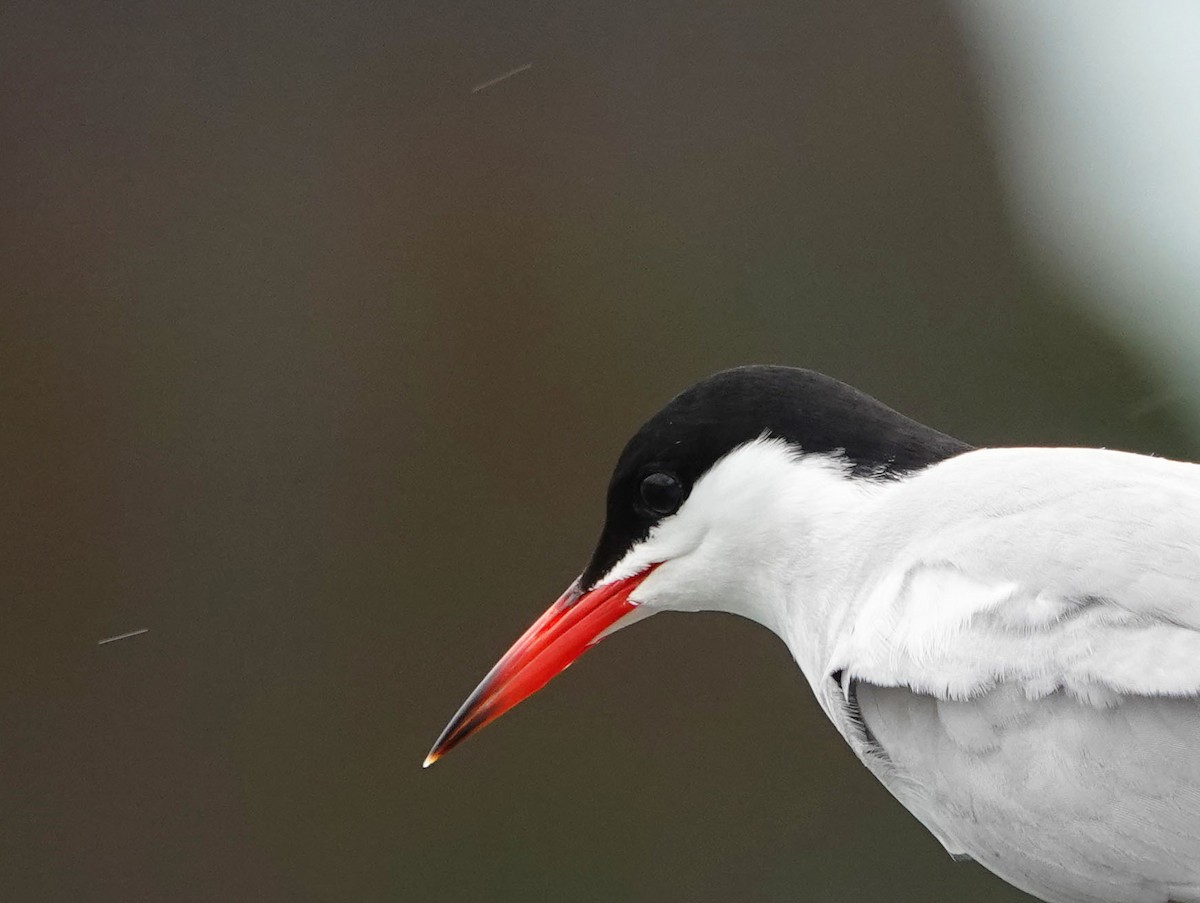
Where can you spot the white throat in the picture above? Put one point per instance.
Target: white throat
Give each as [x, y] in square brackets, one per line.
[768, 534]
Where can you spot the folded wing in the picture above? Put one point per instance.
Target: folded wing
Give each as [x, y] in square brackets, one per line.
[1050, 569]
[1026, 677]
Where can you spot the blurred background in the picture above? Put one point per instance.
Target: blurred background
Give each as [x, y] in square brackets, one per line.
[316, 350]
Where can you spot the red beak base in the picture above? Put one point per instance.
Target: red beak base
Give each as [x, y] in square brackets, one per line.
[573, 623]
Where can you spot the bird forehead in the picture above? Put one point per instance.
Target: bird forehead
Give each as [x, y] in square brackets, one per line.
[813, 413]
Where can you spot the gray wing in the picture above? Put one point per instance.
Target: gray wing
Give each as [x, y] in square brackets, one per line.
[1028, 671]
[1070, 569]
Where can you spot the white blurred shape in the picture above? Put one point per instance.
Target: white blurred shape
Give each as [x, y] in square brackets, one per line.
[1096, 107]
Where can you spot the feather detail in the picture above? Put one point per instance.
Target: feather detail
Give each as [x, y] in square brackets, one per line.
[1028, 667]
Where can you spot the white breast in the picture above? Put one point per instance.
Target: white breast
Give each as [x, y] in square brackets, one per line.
[1066, 800]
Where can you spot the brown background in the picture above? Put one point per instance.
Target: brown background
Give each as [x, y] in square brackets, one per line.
[314, 363]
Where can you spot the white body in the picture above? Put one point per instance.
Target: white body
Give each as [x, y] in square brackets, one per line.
[1010, 640]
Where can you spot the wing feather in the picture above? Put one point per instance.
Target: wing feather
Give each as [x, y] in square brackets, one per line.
[1049, 568]
[1027, 671]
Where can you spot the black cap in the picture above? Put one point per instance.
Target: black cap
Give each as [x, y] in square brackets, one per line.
[814, 413]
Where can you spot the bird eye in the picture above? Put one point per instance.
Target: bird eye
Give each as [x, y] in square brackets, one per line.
[661, 493]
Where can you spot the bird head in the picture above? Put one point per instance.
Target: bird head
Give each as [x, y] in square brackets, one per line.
[712, 504]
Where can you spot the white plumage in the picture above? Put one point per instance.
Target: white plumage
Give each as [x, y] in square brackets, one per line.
[1009, 639]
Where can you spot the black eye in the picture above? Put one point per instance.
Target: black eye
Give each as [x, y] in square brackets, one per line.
[661, 493]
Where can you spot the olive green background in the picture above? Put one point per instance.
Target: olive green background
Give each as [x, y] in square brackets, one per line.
[314, 363]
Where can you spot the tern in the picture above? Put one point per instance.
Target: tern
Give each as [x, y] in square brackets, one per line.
[1008, 638]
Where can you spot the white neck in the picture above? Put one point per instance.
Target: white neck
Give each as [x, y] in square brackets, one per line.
[769, 535]
[818, 523]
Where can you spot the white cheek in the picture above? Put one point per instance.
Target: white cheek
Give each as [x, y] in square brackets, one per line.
[671, 540]
[678, 585]
[725, 509]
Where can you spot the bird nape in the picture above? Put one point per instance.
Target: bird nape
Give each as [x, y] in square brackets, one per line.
[1008, 638]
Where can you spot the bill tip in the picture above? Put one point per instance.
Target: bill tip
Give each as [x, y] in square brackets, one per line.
[429, 760]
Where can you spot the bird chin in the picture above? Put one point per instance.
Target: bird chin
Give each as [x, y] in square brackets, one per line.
[638, 614]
